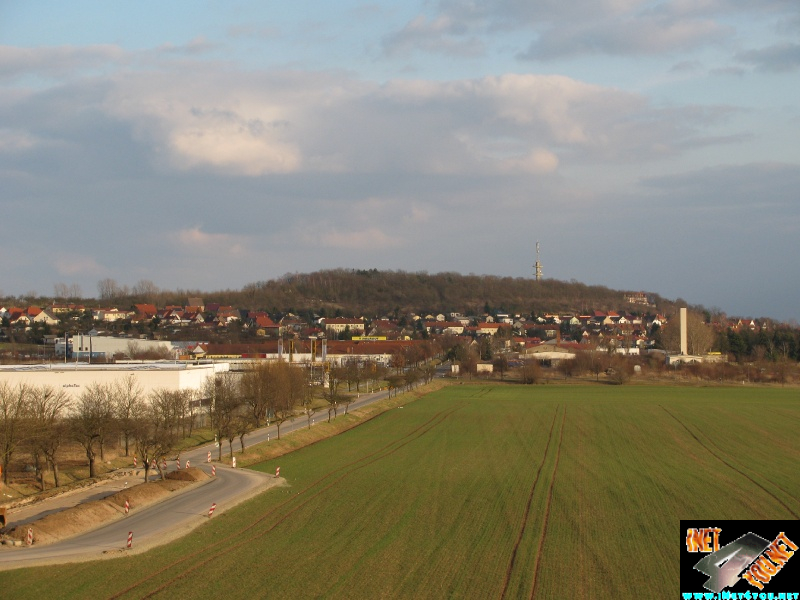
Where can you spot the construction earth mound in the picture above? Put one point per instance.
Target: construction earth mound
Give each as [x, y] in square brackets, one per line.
[91, 515]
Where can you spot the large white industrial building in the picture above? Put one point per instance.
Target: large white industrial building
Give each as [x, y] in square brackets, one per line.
[104, 348]
[73, 378]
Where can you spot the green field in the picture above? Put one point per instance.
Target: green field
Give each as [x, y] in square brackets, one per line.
[483, 492]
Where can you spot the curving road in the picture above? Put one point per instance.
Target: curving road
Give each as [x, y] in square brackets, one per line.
[167, 520]
[151, 526]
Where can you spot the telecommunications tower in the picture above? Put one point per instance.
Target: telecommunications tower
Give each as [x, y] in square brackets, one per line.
[538, 265]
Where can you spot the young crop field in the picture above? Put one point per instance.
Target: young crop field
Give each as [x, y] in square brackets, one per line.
[482, 492]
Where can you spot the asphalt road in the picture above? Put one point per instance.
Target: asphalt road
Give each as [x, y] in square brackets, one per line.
[166, 520]
[151, 526]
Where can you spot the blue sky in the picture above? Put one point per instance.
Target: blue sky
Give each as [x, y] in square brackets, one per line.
[647, 145]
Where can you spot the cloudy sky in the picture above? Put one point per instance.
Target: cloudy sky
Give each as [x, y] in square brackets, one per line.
[647, 145]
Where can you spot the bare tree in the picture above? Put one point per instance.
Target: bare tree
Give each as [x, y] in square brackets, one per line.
[394, 382]
[145, 290]
[258, 386]
[47, 406]
[156, 430]
[620, 370]
[411, 378]
[331, 391]
[13, 411]
[500, 365]
[226, 401]
[108, 289]
[429, 372]
[60, 291]
[242, 425]
[90, 421]
[144, 434]
[128, 399]
[290, 387]
[308, 406]
[530, 372]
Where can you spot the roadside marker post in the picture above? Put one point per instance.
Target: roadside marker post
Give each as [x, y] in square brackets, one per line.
[187, 464]
[278, 472]
[127, 507]
[130, 540]
[135, 463]
[211, 510]
[213, 471]
[164, 464]
[30, 536]
[234, 462]
[208, 457]
[178, 463]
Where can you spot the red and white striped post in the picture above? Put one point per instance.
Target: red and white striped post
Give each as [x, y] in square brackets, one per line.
[134, 463]
[127, 507]
[213, 471]
[30, 536]
[278, 472]
[153, 464]
[208, 457]
[178, 462]
[211, 510]
[164, 463]
[187, 464]
[130, 540]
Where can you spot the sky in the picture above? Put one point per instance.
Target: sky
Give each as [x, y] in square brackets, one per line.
[646, 145]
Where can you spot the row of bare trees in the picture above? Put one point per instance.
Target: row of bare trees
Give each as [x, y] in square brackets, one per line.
[42, 421]
[266, 393]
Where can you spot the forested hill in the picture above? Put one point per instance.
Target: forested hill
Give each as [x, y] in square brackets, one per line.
[377, 293]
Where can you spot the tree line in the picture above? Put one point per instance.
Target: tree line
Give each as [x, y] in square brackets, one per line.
[43, 421]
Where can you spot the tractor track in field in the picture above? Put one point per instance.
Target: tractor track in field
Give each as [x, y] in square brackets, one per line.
[733, 467]
[547, 508]
[783, 414]
[364, 461]
[526, 514]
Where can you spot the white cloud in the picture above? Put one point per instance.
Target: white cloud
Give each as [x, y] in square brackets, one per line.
[194, 240]
[648, 34]
[538, 161]
[14, 140]
[232, 146]
[69, 263]
[583, 27]
[367, 240]
[441, 35]
[208, 118]
[782, 57]
[60, 62]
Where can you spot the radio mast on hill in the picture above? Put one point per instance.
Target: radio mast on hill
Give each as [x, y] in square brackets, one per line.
[538, 265]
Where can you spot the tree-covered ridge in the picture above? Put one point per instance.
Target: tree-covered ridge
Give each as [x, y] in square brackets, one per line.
[374, 292]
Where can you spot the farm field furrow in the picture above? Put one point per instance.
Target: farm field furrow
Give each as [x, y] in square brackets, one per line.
[481, 492]
[755, 478]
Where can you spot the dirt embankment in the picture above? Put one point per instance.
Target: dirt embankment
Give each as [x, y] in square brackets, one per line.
[90, 515]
